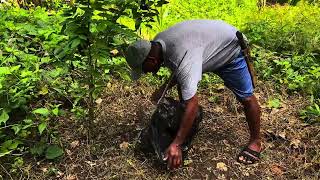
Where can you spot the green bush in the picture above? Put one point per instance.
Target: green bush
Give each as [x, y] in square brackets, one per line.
[28, 75]
[293, 31]
[29, 4]
[312, 113]
[53, 62]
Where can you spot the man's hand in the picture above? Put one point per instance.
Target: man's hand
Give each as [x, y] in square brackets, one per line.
[173, 156]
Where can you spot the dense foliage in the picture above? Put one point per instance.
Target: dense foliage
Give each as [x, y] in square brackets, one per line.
[30, 76]
[54, 62]
[57, 58]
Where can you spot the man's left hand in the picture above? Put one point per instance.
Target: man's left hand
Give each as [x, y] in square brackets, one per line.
[173, 156]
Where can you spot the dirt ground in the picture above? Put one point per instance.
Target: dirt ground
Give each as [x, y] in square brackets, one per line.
[291, 147]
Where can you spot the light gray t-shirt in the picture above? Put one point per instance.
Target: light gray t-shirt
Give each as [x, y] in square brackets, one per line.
[209, 45]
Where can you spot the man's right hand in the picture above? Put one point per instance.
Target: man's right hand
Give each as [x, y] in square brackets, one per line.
[173, 156]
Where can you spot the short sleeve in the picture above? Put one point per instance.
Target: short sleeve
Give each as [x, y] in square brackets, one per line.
[189, 74]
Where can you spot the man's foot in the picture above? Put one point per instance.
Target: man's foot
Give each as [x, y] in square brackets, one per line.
[248, 156]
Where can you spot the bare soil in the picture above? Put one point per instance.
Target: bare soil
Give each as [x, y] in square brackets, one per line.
[291, 148]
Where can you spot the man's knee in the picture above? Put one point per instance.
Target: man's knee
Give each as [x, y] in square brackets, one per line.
[250, 101]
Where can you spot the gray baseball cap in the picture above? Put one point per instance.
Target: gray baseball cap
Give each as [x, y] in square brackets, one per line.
[135, 56]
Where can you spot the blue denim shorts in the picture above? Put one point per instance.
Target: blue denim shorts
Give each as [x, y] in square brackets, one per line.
[237, 78]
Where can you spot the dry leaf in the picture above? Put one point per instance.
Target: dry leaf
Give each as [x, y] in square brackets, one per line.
[98, 101]
[127, 88]
[74, 144]
[129, 161]
[283, 134]
[221, 176]
[60, 174]
[90, 163]
[71, 177]
[277, 170]
[222, 166]
[218, 109]
[295, 143]
[44, 169]
[221, 87]
[114, 52]
[124, 145]
[187, 162]
[225, 142]
[68, 152]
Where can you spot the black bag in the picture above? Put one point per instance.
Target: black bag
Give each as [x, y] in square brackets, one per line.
[164, 126]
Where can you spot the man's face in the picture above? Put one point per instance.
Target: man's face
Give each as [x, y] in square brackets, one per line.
[151, 64]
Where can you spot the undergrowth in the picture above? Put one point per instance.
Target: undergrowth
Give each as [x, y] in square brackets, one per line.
[51, 58]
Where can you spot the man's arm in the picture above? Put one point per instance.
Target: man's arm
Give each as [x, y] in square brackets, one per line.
[191, 109]
[174, 154]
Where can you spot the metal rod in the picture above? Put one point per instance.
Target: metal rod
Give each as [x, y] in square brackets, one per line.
[171, 78]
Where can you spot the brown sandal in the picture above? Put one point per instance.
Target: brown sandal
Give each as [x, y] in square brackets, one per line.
[249, 156]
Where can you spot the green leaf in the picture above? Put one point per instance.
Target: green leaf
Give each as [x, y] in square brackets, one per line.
[42, 111]
[14, 144]
[274, 103]
[4, 117]
[10, 145]
[28, 121]
[4, 70]
[16, 128]
[317, 107]
[53, 152]
[213, 99]
[45, 60]
[75, 43]
[27, 126]
[5, 153]
[42, 127]
[26, 73]
[55, 111]
[14, 68]
[44, 90]
[55, 72]
[38, 149]
[5, 145]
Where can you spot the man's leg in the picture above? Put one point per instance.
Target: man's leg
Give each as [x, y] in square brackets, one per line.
[237, 78]
[252, 112]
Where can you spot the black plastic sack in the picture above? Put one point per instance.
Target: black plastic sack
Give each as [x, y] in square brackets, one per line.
[164, 126]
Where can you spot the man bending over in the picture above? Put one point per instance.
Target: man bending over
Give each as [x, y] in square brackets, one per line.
[190, 49]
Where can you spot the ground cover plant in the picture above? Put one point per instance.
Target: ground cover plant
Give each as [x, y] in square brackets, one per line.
[57, 58]
[29, 74]
[63, 75]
